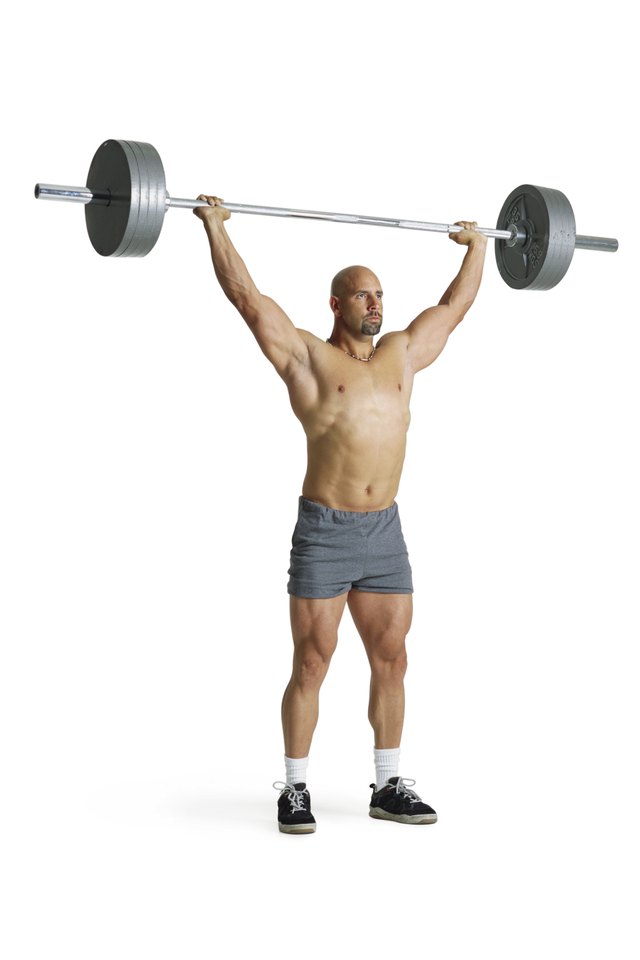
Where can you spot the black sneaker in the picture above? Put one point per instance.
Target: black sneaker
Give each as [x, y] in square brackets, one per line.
[294, 808]
[396, 802]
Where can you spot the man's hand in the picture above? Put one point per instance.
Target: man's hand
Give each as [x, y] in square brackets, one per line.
[213, 212]
[469, 234]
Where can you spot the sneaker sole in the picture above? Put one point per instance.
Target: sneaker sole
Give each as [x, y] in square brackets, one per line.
[297, 827]
[379, 814]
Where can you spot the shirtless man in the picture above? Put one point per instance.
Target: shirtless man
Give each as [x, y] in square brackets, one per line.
[352, 399]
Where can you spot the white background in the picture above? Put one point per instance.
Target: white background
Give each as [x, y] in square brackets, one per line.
[151, 469]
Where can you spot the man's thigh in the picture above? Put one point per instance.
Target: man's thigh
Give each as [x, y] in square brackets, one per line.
[314, 622]
[383, 620]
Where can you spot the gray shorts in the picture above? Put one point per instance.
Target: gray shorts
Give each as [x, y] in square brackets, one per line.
[334, 551]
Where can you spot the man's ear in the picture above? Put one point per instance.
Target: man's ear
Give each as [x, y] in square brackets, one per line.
[334, 303]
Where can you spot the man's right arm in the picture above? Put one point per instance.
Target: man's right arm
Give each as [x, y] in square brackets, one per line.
[278, 338]
[429, 332]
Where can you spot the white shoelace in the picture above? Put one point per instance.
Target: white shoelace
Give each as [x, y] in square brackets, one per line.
[297, 798]
[404, 790]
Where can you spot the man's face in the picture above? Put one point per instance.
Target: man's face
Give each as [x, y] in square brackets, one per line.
[360, 306]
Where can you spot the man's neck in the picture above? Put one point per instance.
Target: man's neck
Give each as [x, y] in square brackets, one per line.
[360, 348]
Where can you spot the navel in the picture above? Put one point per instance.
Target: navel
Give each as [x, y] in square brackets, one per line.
[341, 388]
[399, 386]
[367, 490]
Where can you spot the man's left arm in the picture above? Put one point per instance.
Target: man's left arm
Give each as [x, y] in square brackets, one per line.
[429, 332]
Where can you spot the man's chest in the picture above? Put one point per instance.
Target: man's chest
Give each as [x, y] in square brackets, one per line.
[353, 391]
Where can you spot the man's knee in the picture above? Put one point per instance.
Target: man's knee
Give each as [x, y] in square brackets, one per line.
[313, 650]
[388, 657]
[310, 667]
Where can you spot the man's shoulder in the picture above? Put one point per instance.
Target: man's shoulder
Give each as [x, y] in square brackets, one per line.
[310, 338]
[394, 340]
[319, 350]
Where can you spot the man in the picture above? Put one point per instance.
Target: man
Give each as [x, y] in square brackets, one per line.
[352, 399]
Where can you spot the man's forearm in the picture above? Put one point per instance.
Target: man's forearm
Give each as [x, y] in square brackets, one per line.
[230, 268]
[464, 287]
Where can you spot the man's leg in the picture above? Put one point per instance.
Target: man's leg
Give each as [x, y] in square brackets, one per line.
[383, 621]
[314, 625]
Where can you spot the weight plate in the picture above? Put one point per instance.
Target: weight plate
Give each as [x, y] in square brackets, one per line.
[131, 175]
[152, 195]
[540, 259]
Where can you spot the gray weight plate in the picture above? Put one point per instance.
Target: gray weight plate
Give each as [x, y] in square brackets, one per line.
[132, 176]
[546, 218]
[152, 196]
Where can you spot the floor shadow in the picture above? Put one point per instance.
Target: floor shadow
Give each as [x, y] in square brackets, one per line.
[221, 809]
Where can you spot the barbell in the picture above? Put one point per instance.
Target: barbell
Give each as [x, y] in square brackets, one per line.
[126, 199]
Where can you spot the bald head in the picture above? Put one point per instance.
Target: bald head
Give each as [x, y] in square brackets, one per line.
[351, 279]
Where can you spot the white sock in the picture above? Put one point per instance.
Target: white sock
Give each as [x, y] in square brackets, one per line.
[296, 769]
[387, 763]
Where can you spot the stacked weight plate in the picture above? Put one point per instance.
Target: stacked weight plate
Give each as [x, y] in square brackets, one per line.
[547, 229]
[128, 180]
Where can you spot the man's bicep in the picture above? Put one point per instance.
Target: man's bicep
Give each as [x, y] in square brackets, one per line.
[428, 334]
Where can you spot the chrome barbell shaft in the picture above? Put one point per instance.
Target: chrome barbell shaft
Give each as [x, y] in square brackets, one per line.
[340, 217]
[49, 191]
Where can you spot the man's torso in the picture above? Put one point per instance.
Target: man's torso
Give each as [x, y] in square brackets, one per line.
[355, 415]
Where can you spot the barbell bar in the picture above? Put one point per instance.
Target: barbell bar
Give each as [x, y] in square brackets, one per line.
[125, 201]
